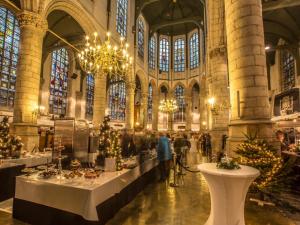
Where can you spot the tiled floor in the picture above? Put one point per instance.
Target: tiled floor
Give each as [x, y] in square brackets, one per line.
[160, 204]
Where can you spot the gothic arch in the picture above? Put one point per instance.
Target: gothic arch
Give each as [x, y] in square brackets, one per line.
[143, 79]
[179, 83]
[191, 85]
[76, 11]
[154, 87]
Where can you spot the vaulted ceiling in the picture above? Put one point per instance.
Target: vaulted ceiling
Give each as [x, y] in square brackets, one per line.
[281, 21]
[172, 17]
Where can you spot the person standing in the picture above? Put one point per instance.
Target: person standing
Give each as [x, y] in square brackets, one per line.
[164, 156]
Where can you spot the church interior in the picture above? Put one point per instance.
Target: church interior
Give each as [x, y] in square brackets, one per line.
[149, 112]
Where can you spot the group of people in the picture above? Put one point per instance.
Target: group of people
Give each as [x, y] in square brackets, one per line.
[168, 146]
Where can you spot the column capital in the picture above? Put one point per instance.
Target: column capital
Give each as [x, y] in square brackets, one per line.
[130, 86]
[27, 18]
[144, 95]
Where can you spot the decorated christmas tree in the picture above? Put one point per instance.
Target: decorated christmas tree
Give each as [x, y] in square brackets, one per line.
[109, 143]
[10, 145]
[262, 156]
[115, 150]
[104, 138]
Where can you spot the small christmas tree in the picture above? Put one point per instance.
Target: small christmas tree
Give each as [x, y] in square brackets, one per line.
[109, 143]
[104, 138]
[115, 150]
[262, 156]
[10, 145]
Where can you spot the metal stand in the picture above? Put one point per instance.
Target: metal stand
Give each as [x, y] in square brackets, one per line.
[177, 176]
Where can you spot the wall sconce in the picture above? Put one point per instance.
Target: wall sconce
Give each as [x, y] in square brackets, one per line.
[212, 105]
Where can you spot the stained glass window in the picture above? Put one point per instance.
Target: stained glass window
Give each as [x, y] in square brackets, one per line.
[164, 55]
[179, 57]
[152, 53]
[288, 70]
[140, 38]
[150, 102]
[194, 51]
[59, 82]
[90, 87]
[122, 6]
[9, 50]
[117, 99]
[179, 115]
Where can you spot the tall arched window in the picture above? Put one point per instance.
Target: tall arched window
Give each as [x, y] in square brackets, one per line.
[122, 6]
[140, 38]
[9, 50]
[179, 115]
[179, 57]
[150, 102]
[152, 52]
[117, 99]
[164, 55]
[90, 87]
[194, 51]
[288, 70]
[59, 82]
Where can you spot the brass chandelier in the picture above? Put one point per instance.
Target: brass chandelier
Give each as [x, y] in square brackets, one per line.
[168, 106]
[97, 58]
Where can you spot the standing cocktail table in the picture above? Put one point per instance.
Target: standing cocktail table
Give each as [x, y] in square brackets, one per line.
[228, 190]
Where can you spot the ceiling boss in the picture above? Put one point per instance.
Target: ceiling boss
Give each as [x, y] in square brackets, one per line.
[97, 58]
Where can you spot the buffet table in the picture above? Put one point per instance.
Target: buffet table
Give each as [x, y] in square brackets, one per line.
[8, 173]
[32, 160]
[60, 201]
[228, 190]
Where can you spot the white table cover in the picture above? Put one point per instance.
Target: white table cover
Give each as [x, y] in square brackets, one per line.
[80, 195]
[32, 160]
[228, 190]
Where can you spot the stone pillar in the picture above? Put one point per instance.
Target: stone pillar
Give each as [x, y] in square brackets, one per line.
[32, 29]
[99, 99]
[188, 113]
[217, 75]
[144, 112]
[155, 105]
[130, 88]
[79, 110]
[250, 108]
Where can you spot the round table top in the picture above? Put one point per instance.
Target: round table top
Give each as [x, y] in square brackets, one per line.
[244, 171]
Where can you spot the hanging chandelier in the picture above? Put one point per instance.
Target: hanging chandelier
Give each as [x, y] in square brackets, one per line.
[105, 58]
[168, 106]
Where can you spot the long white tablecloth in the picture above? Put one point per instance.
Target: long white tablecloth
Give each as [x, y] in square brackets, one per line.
[32, 160]
[80, 195]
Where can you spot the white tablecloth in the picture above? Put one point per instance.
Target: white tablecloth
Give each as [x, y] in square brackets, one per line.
[80, 195]
[228, 190]
[32, 160]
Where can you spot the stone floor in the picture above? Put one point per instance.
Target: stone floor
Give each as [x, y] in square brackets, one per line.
[189, 204]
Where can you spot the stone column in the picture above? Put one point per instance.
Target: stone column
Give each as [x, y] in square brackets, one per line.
[130, 88]
[188, 113]
[144, 112]
[155, 105]
[99, 99]
[250, 108]
[217, 75]
[32, 30]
